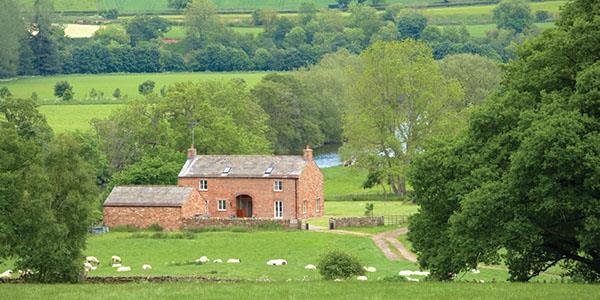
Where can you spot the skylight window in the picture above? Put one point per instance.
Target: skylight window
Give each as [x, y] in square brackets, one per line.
[226, 171]
[268, 171]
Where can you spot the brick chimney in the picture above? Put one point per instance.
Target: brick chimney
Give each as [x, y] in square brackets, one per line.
[191, 152]
[308, 153]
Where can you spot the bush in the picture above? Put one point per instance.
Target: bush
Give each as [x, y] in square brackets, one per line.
[111, 14]
[125, 228]
[337, 264]
[542, 16]
[154, 227]
[146, 87]
[61, 88]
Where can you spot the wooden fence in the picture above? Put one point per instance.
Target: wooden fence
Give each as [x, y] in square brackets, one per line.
[395, 219]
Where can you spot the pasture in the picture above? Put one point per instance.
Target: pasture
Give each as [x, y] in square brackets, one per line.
[75, 117]
[480, 30]
[127, 82]
[300, 290]
[479, 14]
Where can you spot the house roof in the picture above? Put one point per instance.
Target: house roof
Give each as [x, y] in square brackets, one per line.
[148, 196]
[278, 166]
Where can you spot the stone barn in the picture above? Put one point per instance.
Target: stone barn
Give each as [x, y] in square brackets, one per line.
[142, 206]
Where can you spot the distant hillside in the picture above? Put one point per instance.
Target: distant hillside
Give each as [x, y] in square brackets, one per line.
[133, 6]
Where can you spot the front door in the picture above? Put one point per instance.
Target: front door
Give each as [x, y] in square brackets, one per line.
[244, 206]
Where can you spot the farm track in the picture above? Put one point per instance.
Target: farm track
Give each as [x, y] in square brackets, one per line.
[380, 241]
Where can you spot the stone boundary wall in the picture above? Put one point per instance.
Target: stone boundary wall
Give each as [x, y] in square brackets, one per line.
[356, 221]
[197, 222]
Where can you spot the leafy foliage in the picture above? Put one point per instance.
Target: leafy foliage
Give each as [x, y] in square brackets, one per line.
[337, 264]
[513, 14]
[147, 87]
[522, 177]
[61, 87]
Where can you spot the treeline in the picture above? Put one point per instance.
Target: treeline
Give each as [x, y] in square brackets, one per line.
[33, 46]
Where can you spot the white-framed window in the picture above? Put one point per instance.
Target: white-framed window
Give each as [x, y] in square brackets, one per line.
[203, 185]
[318, 205]
[278, 186]
[278, 209]
[222, 205]
[304, 205]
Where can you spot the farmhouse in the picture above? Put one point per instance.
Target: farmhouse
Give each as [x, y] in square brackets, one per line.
[286, 187]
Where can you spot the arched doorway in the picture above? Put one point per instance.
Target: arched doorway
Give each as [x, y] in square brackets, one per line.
[243, 206]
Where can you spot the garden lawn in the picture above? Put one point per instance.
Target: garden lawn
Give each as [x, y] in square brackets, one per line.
[75, 117]
[107, 83]
[299, 290]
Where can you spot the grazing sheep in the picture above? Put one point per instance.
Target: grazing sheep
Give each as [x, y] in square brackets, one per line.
[370, 269]
[310, 267]
[25, 273]
[277, 262]
[412, 279]
[6, 275]
[202, 260]
[124, 269]
[362, 278]
[409, 273]
[218, 261]
[88, 266]
[146, 267]
[92, 260]
[115, 259]
[475, 271]
[234, 261]
[338, 280]
[116, 265]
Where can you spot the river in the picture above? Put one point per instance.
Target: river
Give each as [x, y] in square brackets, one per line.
[327, 156]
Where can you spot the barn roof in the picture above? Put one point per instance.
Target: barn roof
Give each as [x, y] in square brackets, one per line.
[278, 166]
[148, 196]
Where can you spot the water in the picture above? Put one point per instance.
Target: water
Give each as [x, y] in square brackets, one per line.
[327, 156]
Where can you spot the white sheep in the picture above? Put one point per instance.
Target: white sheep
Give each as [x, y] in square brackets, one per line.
[25, 273]
[146, 267]
[92, 260]
[362, 278]
[234, 261]
[338, 280]
[202, 260]
[124, 269]
[88, 266]
[475, 271]
[6, 275]
[412, 279]
[116, 265]
[277, 262]
[410, 273]
[218, 261]
[370, 269]
[115, 259]
[310, 267]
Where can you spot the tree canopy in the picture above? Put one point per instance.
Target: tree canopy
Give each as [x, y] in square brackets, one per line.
[520, 185]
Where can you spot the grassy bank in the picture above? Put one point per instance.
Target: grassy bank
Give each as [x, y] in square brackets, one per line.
[75, 117]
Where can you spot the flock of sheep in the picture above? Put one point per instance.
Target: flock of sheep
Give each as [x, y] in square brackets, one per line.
[91, 263]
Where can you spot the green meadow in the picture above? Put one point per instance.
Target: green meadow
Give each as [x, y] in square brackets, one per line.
[302, 290]
[480, 30]
[127, 82]
[75, 117]
[478, 14]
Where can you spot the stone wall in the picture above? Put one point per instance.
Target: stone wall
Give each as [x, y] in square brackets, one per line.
[357, 221]
[199, 222]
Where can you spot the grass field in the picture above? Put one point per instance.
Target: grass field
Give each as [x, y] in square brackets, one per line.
[75, 117]
[346, 181]
[178, 32]
[107, 83]
[357, 209]
[300, 290]
[480, 30]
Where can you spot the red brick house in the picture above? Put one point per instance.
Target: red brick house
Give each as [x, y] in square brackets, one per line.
[259, 186]
[288, 187]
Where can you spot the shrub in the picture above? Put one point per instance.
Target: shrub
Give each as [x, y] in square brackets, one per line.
[337, 264]
[4, 92]
[125, 228]
[154, 227]
[111, 14]
[146, 87]
[62, 89]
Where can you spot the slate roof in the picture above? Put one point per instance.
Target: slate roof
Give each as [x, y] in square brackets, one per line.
[282, 166]
[169, 196]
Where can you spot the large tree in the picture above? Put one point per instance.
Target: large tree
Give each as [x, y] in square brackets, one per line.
[520, 186]
[398, 99]
[513, 14]
[12, 32]
[44, 44]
